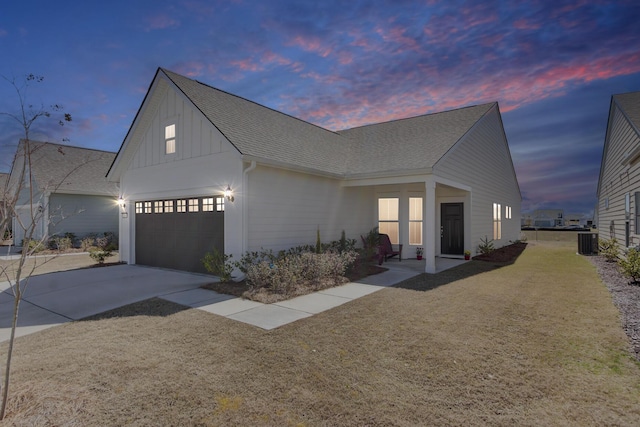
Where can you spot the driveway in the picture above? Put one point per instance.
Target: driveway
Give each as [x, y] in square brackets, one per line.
[56, 298]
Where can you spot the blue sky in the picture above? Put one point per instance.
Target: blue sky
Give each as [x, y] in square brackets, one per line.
[551, 65]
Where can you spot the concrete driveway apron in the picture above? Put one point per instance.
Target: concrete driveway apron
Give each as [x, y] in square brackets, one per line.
[55, 298]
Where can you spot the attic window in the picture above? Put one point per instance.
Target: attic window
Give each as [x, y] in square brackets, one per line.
[170, 139]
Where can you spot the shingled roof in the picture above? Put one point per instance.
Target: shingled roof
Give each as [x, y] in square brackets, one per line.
[630, 105]
[66, 169]
[409, 144]
[263, 133]
[257, 131]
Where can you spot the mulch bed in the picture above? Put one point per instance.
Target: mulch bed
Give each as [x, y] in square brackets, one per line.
[626, 297]
[507, 253]
[241, 289]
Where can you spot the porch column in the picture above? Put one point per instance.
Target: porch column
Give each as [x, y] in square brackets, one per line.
[430, 233]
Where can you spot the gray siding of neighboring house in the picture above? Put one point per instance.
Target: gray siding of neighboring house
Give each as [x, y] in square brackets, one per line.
[82, 214]
[619, 177]
[482, 161]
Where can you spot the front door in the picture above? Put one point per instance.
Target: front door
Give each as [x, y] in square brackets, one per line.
[451, 229]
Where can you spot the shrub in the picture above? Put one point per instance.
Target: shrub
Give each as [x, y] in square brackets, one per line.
[99, 255]
[371, 243]
[631, 265]
[305, 269]
[218, 263]
[60, 243]
[609, 249]
[33, 246]
[249, 259]
[104, 250]
[87, 243]
[486, 246]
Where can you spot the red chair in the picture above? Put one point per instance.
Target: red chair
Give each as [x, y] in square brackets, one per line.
[386, 251]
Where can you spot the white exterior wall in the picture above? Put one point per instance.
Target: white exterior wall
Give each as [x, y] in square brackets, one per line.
[82, 214]
[619, 176]
[481, 160]
[205, 163]
[287, 208]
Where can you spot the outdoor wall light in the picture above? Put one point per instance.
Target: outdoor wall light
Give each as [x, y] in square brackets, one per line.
[121, 203]
[228, 194]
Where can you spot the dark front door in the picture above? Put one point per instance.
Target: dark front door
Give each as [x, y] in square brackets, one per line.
[452, 229]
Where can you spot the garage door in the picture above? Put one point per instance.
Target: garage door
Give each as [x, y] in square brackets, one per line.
[177, 233]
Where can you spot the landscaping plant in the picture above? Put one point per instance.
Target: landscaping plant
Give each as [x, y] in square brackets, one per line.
[219, 263]
[630, 265]
[103, 251]
[486, 246]
[609, 249]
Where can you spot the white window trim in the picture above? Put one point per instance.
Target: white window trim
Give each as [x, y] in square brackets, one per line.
[177, 140]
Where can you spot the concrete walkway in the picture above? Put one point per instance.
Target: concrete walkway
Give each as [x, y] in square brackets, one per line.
[56, 298]
[270, 316]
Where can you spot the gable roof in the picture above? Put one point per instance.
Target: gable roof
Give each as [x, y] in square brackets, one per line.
[411, 144]
[63, 168]
[629, 105]
[266, 135]
[263, 133]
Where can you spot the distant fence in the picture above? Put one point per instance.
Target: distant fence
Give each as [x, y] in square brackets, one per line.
[554, 234]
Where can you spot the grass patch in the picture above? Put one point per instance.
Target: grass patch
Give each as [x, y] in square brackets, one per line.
[536, 342]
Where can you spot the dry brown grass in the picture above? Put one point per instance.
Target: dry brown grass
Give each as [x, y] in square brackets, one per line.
[51, 263]
[537, 342]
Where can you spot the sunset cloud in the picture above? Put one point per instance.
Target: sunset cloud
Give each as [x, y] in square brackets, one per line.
[552, 66]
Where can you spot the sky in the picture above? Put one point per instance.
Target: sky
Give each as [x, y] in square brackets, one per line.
[551, 65]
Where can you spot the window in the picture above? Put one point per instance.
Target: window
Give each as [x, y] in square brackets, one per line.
[157, 207]
[138, 207]
[497, 221]
[415, 220]
[207, 204]
[220, 204]
[507, 212]
[388, 218]
[170, 139]
[168, 206]
[181, 205]
[147, 207]
[193, 205]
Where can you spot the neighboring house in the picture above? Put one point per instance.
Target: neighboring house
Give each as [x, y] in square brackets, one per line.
[548, 218]
[619, 182]
[577, 220]
[68, 187]
[440, 181]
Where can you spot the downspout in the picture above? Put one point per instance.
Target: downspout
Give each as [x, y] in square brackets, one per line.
[245, 206]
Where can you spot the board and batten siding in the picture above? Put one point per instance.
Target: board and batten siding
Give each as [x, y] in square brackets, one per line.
[618, 177]
[204, 164]
[287, 208]
[195, 135]
[82, 214]
[481, 160]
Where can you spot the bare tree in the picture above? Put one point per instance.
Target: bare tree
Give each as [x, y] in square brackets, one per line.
[22, 179]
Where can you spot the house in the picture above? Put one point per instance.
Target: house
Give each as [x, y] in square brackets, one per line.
[618, 211]
[548, 218]
[68, 192]
[201, 168]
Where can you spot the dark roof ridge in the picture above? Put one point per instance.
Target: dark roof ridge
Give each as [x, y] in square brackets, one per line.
[164, 70]
[68, 145]
[418, 116]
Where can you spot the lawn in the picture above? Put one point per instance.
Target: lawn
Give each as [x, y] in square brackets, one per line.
[537, 342]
